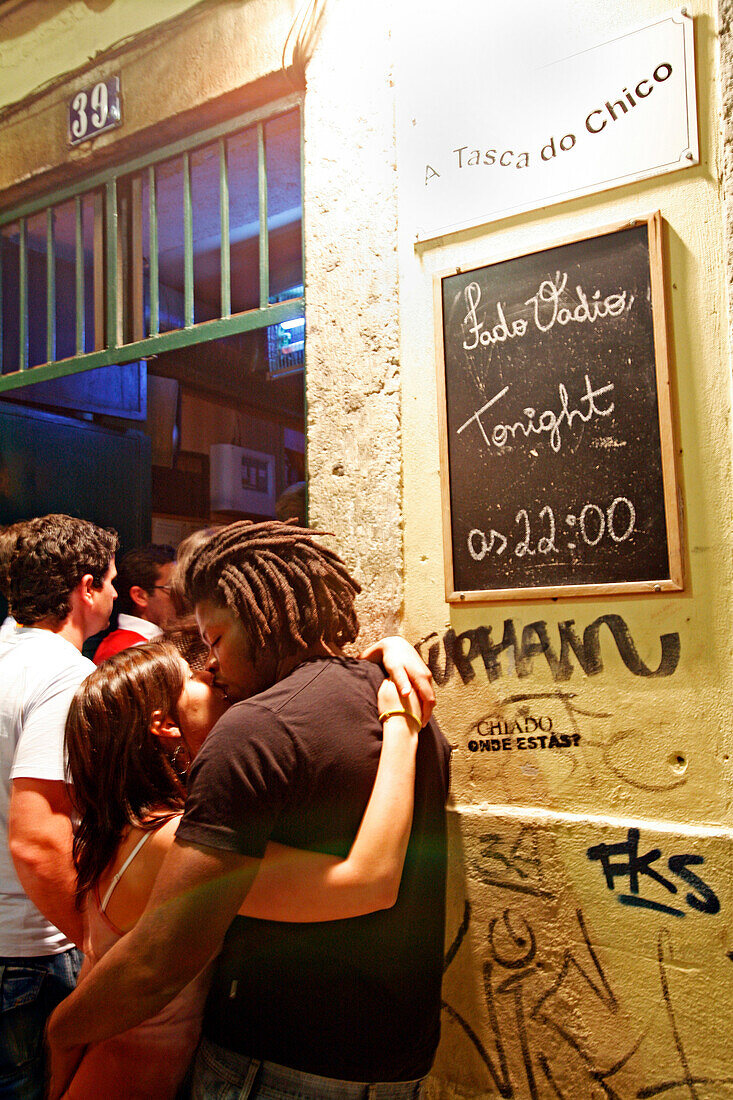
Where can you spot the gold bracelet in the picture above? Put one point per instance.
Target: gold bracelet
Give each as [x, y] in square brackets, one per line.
[393, 714]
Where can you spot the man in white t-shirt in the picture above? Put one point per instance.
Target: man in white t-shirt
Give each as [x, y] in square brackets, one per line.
[60, 591]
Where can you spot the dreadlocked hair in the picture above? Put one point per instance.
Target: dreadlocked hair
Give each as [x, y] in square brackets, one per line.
[289, 592]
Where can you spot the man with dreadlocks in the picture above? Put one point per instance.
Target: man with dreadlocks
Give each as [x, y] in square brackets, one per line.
[347, 1008]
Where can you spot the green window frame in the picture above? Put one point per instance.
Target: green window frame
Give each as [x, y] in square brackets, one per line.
[111, 347]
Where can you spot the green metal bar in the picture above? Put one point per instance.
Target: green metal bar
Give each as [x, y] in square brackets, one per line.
[198, 333]
[111, 336]
[187, 244]
[166, 341]
[264, 240]
[203, 137]
[79, 277]
[23, 296]
[226, 260]
[50, 288]
[154, 276]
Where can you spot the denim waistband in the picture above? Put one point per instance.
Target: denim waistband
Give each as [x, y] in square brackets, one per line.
[65, 964]
[235, 1067]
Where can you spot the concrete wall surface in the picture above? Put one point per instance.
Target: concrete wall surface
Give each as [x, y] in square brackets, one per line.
[554, 987]
[352, 378]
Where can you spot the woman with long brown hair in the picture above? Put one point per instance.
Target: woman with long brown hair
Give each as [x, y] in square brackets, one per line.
[129, 727]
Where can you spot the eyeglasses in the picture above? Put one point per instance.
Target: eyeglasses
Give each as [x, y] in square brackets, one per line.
[163, 587]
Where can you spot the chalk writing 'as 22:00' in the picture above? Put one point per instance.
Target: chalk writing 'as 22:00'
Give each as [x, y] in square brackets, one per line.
[592, 525]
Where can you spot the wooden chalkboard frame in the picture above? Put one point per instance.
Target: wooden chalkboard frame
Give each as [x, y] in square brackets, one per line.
[671, 495]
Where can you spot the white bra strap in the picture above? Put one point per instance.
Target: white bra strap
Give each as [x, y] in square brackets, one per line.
[111, 889]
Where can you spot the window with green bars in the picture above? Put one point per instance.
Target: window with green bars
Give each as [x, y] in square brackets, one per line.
[194, 242]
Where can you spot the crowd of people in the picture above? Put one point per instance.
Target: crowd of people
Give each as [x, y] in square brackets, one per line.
[223, 865]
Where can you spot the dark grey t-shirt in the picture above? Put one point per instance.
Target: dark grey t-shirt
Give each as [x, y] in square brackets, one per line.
[354, 999]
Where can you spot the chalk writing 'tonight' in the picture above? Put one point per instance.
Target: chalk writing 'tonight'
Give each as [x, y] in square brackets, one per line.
[549, 422]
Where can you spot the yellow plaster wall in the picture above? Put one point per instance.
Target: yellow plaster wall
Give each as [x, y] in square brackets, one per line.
[43, 38]
[550, 979]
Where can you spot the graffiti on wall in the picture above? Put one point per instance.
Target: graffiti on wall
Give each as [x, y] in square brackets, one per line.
[527, 731]
[513, 864]
[554, 721]
[550, 1024]
[526, 1004]
[517, 653]
[531, 1009]
[623, 861]
[522, 992]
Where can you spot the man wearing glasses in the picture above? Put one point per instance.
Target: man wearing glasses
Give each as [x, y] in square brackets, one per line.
[144, 603]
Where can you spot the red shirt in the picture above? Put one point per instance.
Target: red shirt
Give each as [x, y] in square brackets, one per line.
[115, 642]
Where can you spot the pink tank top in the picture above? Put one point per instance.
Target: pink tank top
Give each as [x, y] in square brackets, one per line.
[149, 1060]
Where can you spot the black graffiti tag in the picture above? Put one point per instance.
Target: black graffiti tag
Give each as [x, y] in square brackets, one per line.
[581, 735]
[522, 1008]
[513, 975]
[461, 650]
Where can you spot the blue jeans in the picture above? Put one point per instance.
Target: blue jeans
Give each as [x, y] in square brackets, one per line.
[220, 1074]
[30, 989]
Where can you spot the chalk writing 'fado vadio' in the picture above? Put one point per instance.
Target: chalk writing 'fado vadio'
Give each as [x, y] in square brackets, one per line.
[551, 305]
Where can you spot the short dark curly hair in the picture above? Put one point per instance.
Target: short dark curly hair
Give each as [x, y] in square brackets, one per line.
[140, 568]
[8, 538]
[51, 555]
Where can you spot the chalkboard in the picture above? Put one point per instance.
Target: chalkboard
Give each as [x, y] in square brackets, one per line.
[556, 427]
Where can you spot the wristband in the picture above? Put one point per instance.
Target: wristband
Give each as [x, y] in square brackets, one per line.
[406, 713]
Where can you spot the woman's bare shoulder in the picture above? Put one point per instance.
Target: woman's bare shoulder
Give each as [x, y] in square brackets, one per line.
[134, 887]
[162, 837]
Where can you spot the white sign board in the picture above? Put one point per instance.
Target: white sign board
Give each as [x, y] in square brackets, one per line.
[481, 140]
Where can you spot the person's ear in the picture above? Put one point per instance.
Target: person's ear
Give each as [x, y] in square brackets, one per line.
[164, 726]
[86, 588]
[139, 597]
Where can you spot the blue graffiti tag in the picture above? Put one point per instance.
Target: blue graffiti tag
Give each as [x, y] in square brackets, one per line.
[623, 861]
